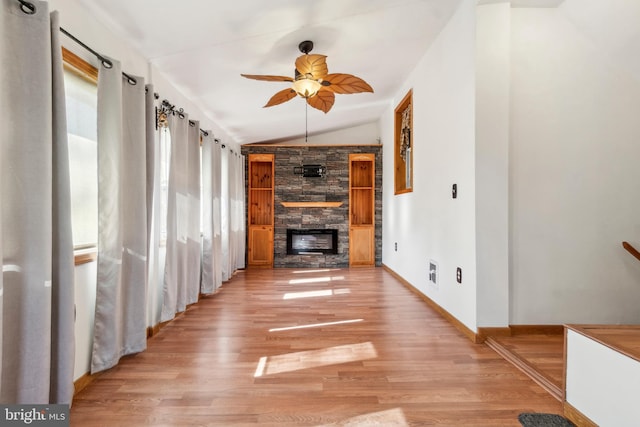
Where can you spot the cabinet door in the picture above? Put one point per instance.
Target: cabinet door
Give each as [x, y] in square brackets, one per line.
[261, 246]
[260, 210]
[361, 246]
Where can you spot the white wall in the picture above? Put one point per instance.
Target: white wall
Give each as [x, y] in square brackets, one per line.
[428, 223]
[493, 45]
[85, 300]
[364, 134]
[553, 166]
[602, 383]
[574, 178]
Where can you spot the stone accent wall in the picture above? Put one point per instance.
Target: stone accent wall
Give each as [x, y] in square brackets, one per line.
[334, 187]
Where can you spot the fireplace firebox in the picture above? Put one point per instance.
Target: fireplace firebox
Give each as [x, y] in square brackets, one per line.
[312, 242]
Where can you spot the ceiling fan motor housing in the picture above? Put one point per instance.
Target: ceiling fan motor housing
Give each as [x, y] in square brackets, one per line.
[306, 46]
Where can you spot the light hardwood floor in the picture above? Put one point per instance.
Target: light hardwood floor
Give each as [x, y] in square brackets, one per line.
[540, 356]
[288, 347]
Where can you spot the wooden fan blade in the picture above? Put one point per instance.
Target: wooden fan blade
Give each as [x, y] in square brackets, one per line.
[314, 65]
[345, 83]
[323, 100]
[268, 78]
[280, 97]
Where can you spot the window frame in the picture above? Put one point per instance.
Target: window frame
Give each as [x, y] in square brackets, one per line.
[78, 66]
[401, 175]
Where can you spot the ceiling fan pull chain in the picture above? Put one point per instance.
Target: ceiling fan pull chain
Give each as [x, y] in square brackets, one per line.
[306, 121]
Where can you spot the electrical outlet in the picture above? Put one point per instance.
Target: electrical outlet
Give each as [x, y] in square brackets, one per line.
[396, 246]
[459, 275]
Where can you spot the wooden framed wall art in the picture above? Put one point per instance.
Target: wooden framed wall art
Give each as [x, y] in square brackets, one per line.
[403, 145]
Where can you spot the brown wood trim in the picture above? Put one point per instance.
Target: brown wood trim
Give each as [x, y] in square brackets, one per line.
[576, 417]
[311, 204]
[486, 332]
[85, 258]
[633, 251]
[262, 157]
[473, 337]
[398, 165]
[512, 330]
[359, 157]
[79, 66]
[406, 190]
[153, 330]
[564, 365]
[83, 381]
[536, 329]
[276, 144]
[527, 368]
[585, 330]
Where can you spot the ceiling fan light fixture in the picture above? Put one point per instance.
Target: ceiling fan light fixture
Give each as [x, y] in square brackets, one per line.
[313, 82]
[306, 88]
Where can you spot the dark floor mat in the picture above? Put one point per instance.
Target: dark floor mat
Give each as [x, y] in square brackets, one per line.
[543, 420]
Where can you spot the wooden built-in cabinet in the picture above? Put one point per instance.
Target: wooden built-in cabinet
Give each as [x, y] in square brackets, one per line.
[361, 209]
[261, 196]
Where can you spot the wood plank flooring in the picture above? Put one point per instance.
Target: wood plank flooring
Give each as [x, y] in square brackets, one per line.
[284, 347]
[540, 356]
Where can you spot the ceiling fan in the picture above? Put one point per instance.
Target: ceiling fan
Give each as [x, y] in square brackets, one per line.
[313, 82]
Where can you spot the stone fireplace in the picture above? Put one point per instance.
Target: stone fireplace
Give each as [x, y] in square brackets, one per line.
[316, 202]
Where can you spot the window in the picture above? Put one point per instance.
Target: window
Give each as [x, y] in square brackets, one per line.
[80, 80]
[165, 168]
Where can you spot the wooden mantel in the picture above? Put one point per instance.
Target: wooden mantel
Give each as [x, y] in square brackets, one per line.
[311, 204]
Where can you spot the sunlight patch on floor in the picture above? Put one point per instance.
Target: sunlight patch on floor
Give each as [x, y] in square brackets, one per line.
[389, 418]
[324, 270]
[316, 325]
[316, 280]
[313, 294]
[269, 365]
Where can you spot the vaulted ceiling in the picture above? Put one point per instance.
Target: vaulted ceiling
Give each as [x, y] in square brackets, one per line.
[202, 47]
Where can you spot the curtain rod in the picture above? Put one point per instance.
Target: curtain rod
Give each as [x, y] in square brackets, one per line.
[202, 131]
[27, 7]
[30, 9]
[106, 62]
[170, 108]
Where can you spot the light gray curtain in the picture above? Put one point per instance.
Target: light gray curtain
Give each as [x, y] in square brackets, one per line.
[211, 239]
[174, 298]
[36, 287]
[120, 325]
[63, 289]
[225, 207]
[194, 243]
